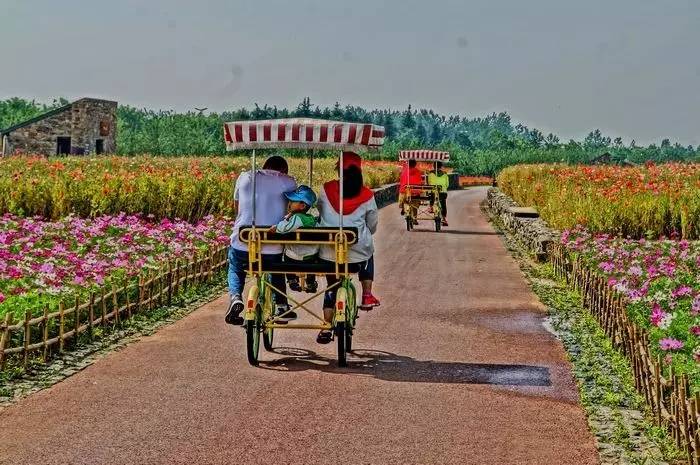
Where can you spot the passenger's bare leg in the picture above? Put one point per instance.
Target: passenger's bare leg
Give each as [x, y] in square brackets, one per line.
[328, 314]
[366, 286]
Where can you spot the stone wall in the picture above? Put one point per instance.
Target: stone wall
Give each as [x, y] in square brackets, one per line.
[84, 121]
[533, 233]
[40, 137]
[92, 120]
[386, 195]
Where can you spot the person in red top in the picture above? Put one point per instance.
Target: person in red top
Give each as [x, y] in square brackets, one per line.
[410, 174]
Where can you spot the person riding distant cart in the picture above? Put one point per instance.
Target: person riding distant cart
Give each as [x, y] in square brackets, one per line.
[441, 179]
[421, 201]
[410, 174]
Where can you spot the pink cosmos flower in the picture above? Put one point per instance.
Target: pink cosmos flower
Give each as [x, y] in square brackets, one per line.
[670, 343]
[635, 270]
[682, 291]
[668, 268]
[695, 330]
[657, 315]
[607, 267]
[565, 236]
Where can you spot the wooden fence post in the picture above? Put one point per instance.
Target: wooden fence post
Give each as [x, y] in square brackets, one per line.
[686, 421]
[149, 289]
[160, 286]
[61, 325]
[45, 334]
[176, 286]
[115, 305]
[195, 270]
[5, 338]
[27, 337]
[103, 306]
[128, 299]
[91, 315]
[696, 436]
[76, 322]
[170, 283]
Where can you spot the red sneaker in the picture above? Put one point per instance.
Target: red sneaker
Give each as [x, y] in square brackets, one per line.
[369, 302]
[444, 222]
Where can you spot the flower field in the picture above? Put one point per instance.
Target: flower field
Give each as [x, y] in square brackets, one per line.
[466, 181]
[73, 224]
[661, 280]
[648, 201]
[44, 261]
[637, 227]
[187, 188]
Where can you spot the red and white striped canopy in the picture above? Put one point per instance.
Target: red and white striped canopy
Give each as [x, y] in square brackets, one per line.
[302, 133]
[424, 155]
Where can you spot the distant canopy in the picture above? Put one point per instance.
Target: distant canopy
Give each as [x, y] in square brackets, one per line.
[424, 155]
[302, 133]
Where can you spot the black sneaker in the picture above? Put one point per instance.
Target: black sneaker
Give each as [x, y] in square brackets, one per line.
[294, 285]
[281, 309]
[235, 308]
[311, 286]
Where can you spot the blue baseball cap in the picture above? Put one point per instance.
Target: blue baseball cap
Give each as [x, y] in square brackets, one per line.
[302, 194]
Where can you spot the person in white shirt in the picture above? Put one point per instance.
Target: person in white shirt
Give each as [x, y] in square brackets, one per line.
[271, 182]
[359, 211]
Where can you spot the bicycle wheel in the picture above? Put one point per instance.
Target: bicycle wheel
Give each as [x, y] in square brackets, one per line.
[340, 336]
[268, 333]
[351, 318]
[252, 330]
[268, 337]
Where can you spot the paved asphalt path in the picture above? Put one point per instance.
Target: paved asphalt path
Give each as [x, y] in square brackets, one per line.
[455, 367]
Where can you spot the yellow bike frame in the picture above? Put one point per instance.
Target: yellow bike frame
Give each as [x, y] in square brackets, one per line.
[256, 238]
[416, 197]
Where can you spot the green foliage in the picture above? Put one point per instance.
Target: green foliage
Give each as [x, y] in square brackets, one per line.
[479, 146]
[15, 110]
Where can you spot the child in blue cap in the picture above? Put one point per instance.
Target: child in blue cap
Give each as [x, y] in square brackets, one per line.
[300, 201]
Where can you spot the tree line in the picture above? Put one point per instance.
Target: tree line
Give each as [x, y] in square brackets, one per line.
[478, 146]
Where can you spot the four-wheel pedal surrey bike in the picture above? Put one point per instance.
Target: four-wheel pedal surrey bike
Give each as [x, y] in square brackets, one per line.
[259, 316]
[421, 202]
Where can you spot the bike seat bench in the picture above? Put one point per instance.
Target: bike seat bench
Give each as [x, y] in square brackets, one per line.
[308, 268]
[314, 234]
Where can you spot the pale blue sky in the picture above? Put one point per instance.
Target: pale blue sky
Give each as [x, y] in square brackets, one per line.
[629, 67]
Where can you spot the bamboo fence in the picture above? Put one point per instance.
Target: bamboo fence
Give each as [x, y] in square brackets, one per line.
[112, 304]
[667, 394]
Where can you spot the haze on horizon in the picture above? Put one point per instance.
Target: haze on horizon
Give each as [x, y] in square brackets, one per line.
[628, 67]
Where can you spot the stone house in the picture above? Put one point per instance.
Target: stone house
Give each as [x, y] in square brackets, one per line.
[83, 127]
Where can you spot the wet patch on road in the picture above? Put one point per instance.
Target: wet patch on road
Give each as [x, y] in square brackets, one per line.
[515, 322]
[399, 368]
